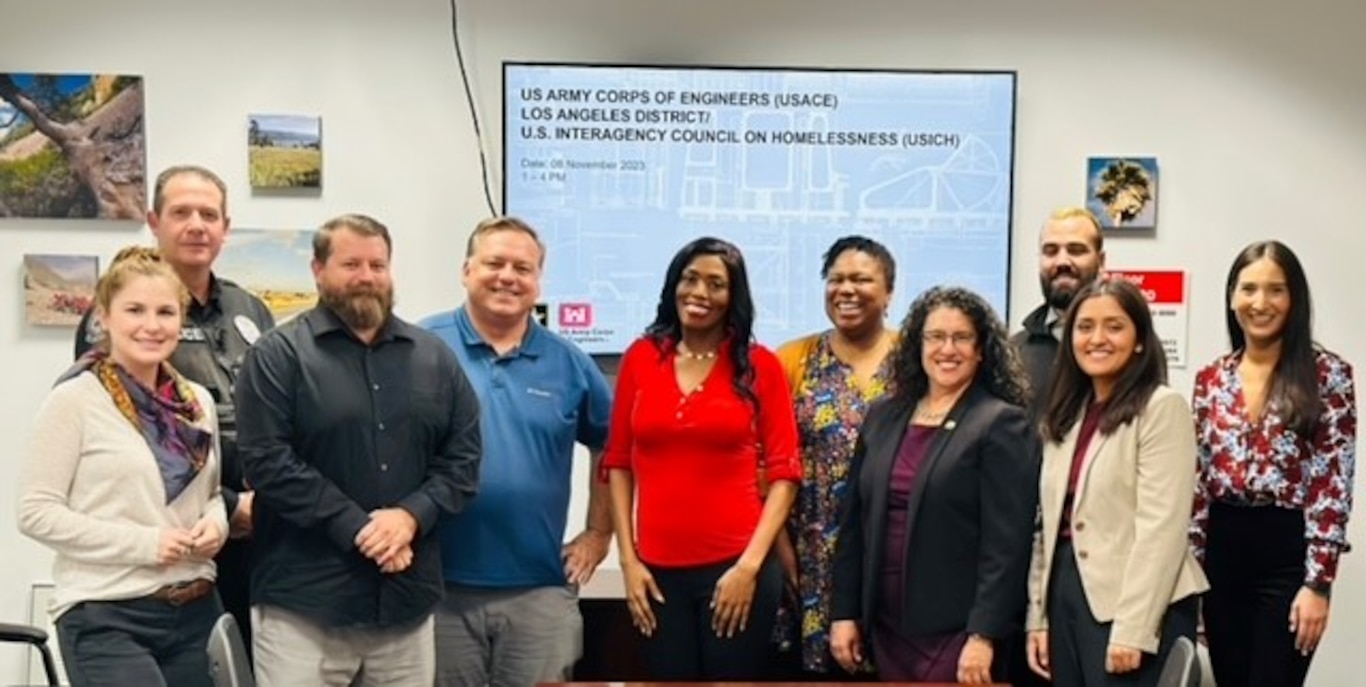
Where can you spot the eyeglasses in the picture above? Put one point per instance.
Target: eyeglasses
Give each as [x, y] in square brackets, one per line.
[936, 339]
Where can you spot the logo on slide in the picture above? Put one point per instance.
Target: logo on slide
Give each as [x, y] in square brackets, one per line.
[575, 315]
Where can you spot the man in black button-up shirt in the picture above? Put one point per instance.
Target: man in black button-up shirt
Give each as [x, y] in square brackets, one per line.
[358, 430]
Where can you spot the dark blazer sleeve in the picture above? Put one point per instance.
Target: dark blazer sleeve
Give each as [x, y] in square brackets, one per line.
[846, 594]
[1010, 456]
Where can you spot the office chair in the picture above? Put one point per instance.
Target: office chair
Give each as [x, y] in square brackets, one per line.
[27, 634]
[1182, 668]
[228, 662]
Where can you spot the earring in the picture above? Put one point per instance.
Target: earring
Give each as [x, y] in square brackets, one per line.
[1138, 348]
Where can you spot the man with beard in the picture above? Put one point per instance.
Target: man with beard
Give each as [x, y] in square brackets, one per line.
[359, 431]
[189, 218]
[1071, 256]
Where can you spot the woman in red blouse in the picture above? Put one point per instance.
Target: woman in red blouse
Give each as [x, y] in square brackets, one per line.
[698, 406]
[1276, 426]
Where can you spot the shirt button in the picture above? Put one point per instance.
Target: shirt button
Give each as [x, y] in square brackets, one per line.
[375, 387]
[679, 415]
[1079, 526]
[381, 426]
[1081, 555]
[383, 467]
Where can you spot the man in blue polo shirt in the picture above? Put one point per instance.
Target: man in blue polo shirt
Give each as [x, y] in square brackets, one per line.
[511, 615]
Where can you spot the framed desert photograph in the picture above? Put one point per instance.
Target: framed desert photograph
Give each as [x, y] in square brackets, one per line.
[1122, 191]
[285, 151]
[273, 265]
[58, 289]
[72, 146]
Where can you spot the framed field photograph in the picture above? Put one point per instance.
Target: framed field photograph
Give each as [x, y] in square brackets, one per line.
[1122, 191]
[72, 146]
[58, 289]
[285, 151]
[274, 266]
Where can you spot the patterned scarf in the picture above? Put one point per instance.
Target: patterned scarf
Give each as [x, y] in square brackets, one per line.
[164, 416]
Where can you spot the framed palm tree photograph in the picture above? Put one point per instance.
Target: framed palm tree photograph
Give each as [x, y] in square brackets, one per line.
[1122, 192]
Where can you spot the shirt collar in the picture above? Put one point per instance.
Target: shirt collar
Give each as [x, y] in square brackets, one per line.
[322, 321]
[533, 342]
[1053, 321]
[215, 297]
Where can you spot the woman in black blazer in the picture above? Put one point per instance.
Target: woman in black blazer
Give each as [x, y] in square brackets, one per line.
[933, 549]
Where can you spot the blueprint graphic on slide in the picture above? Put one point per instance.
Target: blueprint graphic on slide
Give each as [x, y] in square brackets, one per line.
[619, 167]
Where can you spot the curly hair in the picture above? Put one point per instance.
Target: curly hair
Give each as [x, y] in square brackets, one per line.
[1000, 373]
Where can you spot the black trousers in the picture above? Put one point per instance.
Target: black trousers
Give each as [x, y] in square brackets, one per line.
[1077, 642]
[1254, 558]
[145, 642]
[684, 646]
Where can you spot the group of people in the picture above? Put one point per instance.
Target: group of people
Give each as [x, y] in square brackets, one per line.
[387, 501]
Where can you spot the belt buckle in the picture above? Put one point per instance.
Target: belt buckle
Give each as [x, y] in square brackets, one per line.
[181, 593]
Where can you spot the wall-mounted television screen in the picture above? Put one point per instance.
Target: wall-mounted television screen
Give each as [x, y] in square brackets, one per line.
[618, 166]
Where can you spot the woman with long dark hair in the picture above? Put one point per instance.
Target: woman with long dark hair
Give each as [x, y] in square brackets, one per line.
[1276, 427]
[699, 407]
[933, 548]
[1112, 582]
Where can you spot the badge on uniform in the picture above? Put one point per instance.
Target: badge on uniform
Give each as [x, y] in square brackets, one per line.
[248, 329]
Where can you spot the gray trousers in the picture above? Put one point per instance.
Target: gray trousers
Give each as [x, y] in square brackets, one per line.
[292, 650]
[507, 637]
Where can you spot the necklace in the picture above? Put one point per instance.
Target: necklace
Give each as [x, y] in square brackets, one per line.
[684, 352]
[923, 412]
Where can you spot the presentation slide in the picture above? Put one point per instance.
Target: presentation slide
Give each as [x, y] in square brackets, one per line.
[619, 166]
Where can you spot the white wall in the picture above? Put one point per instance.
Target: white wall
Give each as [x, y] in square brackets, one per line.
[1255, 108]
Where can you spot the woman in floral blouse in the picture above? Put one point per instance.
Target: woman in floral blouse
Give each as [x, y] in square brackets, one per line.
[834, 376]
[1276, 426]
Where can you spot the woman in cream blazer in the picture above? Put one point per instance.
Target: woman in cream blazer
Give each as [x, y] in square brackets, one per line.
[1112, 580]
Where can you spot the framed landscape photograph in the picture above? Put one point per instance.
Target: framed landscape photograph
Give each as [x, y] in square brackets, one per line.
[1122, 192]
[58, 289]
[285, 151]
[272, 265]
[72, 146]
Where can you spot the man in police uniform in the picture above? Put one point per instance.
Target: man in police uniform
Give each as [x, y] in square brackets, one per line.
[189, 218]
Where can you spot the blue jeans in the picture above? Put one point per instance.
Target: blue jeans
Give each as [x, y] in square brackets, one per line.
[138, 642]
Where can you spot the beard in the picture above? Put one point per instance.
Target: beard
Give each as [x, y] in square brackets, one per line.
[361, 308]
[1060, 297]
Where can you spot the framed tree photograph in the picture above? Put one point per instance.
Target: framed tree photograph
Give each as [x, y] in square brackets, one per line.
[1122, 192]
[72, 146]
